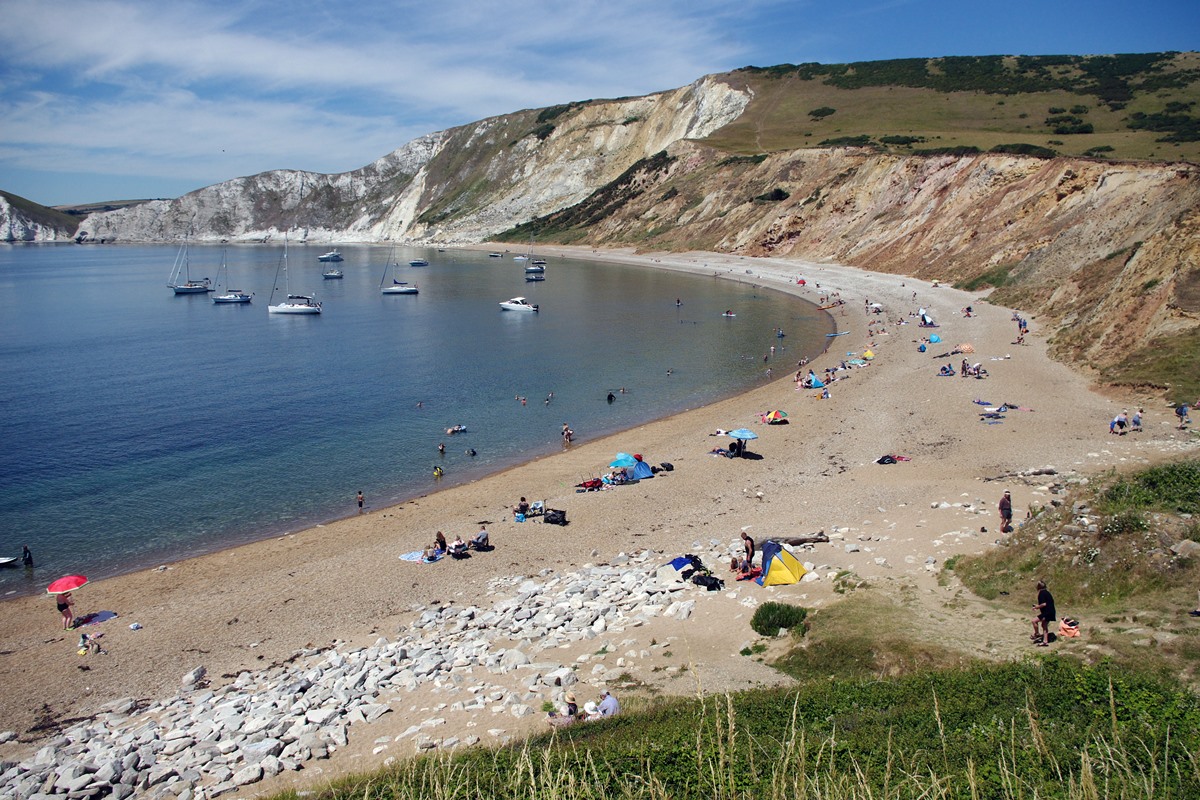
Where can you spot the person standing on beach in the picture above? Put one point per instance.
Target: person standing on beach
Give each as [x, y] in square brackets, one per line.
[65, 604]
[360, 501]
[748, 547]
[1043, 613]
[1006, 513]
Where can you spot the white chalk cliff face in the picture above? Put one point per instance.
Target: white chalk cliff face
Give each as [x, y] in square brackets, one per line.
[18, 226]
[459, 185]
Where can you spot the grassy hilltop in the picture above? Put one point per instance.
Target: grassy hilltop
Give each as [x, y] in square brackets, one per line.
[1138, 106]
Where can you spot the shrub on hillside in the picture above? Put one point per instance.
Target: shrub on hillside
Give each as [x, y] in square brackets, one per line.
[823, 111]
[1023, 149]
[770, 617]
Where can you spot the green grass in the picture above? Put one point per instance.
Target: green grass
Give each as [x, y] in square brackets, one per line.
[1044, 728]
[1167, 363]
[945, 104]
[40, 214]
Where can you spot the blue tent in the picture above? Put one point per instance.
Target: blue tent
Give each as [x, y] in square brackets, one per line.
[640, 470]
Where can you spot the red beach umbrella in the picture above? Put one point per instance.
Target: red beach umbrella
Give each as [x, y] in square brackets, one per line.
[68, 583]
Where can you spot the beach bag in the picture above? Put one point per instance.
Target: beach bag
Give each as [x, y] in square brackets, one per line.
[709, 582]
[1068, 628]
[668, 466]
[555, 517]
[519, 517]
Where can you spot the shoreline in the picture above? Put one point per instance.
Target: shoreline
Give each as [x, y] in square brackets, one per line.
[256, 605]
[151, 557]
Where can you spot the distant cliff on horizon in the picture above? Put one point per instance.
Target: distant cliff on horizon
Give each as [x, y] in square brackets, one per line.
[1068, 184]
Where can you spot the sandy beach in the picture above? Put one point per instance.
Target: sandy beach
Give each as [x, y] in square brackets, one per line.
[258, 605]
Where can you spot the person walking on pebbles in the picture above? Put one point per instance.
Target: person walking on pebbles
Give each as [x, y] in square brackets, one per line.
[1043, 614]
[1006, 513]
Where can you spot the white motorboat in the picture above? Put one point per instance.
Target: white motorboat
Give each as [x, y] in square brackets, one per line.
[520, 258]
[229, 296]
[294, 303]
[495, 255]
[333, 274]
[181, 280]
[530, 277]
[518, 304]
[419, 262]
[534, 267]
[395, 287]
[332, 255]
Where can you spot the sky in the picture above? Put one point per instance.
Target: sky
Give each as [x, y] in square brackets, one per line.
[128, 99]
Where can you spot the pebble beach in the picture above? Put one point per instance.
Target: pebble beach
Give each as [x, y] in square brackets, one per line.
[291, 660]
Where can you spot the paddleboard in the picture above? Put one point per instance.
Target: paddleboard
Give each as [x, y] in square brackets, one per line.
[8, 561]
[839, 333]
[729, 315]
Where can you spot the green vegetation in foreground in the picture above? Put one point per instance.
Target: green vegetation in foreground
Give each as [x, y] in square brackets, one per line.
[1106, 554]
[1046, 729]
[1121, 552]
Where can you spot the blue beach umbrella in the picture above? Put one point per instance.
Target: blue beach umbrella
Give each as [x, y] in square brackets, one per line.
[623, 460]
[743, 434]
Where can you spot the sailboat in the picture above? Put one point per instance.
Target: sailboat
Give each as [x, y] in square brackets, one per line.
[533, 266]
[181, 280]
[396, 287]
[294, 303]
[229, 295]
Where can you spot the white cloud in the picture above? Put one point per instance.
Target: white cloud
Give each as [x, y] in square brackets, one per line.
[208, 91]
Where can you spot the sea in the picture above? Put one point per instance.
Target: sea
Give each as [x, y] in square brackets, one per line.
[139, 427]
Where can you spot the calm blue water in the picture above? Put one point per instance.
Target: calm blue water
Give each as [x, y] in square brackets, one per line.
[139, 426]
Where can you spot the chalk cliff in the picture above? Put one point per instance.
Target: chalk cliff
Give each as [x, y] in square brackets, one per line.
[463, 184]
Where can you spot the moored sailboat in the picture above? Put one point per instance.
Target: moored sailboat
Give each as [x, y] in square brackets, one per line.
[229, 296]
[181, 280]
[293, 303]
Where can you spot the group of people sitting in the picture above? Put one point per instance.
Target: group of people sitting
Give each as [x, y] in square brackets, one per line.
[570, 712]
[458, 548]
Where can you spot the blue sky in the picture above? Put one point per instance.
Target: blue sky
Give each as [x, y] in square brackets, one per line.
[117, 99]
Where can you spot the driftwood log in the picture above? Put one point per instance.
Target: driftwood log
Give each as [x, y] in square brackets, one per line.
[812, 538]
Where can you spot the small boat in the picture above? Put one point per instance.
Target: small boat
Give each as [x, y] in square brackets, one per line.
[520, 258]
[530, 277]
[419, 262]
[333, 274]
[539, 262]
[518, 304]
[535, 268]
[181, 280]
[294, 303]
[332, 255]
[839, 333]
[729, 314]
[395, 287]
[8, 561]
[229, 296]
[495, 255]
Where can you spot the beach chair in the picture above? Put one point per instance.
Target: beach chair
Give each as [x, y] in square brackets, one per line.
[537, 508]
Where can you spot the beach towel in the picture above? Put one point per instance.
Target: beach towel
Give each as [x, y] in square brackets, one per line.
[95, 618]
[418, 556]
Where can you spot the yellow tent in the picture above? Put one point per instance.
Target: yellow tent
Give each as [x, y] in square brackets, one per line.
[780, 567]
